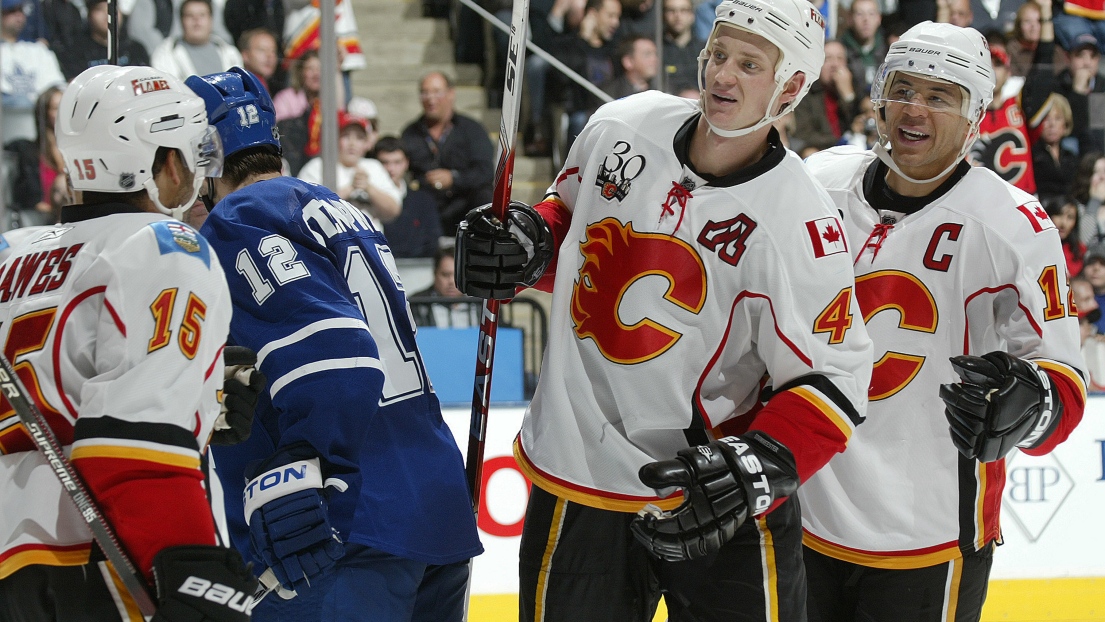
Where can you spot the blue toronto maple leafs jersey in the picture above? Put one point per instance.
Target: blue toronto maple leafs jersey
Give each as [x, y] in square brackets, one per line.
[317, 296]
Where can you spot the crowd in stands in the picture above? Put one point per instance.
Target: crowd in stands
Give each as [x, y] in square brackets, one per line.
[441, 167]
[1044, 131]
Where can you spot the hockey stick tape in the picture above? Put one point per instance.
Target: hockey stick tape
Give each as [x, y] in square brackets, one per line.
[281, 481]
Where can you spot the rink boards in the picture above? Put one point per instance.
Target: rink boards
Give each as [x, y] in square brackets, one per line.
[1051, 566]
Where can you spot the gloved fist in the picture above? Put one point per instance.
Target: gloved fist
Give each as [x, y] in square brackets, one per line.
[1002, 402]
[242, 386]
[289, 529]
[724, 483]
[494, 258]
[199, 583]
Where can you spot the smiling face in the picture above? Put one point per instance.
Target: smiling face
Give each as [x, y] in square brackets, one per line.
[740, 79]
[924, 124]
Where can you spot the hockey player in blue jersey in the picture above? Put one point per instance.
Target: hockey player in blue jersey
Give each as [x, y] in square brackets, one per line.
[350, 487]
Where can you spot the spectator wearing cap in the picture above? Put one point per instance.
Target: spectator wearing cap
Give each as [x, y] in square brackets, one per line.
[1078, 18]
[197, 51]
[1003, 144]
[89, 49]
[449, 152]
[1078, 83]
[366, 109]
[417, 230]
[362, 181]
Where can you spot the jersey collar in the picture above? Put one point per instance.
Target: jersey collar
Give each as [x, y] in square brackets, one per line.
[77, 213]
[774, 155]
[880, 196]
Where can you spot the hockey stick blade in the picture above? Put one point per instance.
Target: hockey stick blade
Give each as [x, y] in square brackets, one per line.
[39, 431]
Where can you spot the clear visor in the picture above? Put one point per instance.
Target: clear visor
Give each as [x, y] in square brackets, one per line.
[208, 149]
[937, 96]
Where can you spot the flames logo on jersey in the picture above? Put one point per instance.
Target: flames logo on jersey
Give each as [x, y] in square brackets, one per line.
[617, 172]
[616, 257]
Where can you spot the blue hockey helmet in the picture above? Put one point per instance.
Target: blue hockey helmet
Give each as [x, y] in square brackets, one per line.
[239, 107]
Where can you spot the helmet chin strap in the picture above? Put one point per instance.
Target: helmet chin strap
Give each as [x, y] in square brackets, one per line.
[766, 120]
[175, 212]
[884, 154]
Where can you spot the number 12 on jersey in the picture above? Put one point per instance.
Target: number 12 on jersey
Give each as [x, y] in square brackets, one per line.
[373, 280]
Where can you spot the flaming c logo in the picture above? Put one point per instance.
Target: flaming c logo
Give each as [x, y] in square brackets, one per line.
[615, 257]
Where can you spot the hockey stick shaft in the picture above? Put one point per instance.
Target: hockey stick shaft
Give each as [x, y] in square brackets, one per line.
[39, 431]
[489, 320]
[113, 32]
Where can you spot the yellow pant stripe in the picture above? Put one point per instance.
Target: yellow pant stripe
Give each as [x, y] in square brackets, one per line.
[546, 559]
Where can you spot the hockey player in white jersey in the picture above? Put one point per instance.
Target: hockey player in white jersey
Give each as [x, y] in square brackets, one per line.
[962, 284]
[691, 255]
[115, 320]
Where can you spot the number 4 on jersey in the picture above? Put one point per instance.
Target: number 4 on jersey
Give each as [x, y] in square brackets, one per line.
[836, 318]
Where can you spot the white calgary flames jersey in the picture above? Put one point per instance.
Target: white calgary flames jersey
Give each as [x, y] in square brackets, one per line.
[978, 269]
[674, 296]
[113, 325]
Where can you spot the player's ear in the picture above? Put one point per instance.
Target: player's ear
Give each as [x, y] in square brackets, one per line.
[792, 89]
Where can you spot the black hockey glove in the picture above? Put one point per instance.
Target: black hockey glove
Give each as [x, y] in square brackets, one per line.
[1002, 402]
[493, 259]
[200, 583]
[242, 385]
[725, 482]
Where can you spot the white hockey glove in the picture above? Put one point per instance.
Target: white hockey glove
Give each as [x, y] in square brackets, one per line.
[1002, 402]
[242, 386]
[725, 482]
[494, 259]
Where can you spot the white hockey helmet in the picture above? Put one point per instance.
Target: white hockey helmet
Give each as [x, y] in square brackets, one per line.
[795, 27]
[945, 52]
[111, 121]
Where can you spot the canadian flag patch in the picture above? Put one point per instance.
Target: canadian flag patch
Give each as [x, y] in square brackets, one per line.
[1037, 217]
[827, 236]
